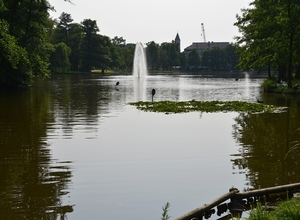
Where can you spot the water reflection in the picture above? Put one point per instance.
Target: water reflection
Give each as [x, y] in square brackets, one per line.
[269, 154]
[74, 140]
[140, 85]
[32, 184]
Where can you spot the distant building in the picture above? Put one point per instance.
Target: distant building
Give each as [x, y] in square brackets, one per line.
[177, 41]
[201, 46]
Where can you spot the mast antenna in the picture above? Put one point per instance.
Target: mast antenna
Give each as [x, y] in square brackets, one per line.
[203, 32]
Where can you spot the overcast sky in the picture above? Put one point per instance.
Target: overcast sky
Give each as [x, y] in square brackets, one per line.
[158, 20]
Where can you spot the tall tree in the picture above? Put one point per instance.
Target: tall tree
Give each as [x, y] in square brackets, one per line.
[269, 29]
[194, 59]
[231, 58]
[59, 58]
[217, 58]
[183, 60]
[127, 54]
[205, 59]
[119, 41]
[90, 30]
[75, 39]
[117, 59]
[103, 55]
[169, 54]
[63, 28]
[152, 55]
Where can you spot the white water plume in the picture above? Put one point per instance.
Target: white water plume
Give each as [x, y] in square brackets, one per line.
[139, 62]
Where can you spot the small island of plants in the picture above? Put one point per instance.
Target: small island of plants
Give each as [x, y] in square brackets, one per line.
[204, 106]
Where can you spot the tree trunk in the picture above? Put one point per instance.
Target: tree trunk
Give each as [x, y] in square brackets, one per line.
[297, 75]
[291, 41]
[282, 72]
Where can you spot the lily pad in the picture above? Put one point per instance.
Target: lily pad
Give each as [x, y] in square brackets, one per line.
[205, 106]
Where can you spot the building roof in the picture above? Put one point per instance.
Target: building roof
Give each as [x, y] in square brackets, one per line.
[206, 45]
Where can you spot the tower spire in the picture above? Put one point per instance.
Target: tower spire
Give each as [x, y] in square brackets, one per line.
[177, 40]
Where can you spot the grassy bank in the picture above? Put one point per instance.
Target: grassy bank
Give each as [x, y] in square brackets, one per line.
[106, 72]
[288, 210]
[271, 85]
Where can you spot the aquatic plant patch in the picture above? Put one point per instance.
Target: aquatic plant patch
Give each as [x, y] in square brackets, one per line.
[205, 106]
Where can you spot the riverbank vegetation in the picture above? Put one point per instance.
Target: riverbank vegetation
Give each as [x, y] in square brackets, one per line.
[288, 210]
[273, 86]
[202, 106]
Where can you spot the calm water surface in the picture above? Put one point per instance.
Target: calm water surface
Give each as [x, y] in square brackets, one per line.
[72, 148]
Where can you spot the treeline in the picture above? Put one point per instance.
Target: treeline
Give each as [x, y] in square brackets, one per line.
[34, 45]
[79, 47]
[167, 57]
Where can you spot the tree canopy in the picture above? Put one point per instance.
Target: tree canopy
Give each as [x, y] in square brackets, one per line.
[270, 36]
[24, 41]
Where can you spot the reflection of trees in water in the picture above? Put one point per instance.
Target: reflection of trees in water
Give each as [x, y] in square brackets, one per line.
[266, 140]
[31, 185]
[79, 99]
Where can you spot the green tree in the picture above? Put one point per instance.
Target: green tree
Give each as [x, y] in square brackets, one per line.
[174, 54]
[269, 36]
[119, 41]
[62, 30]
[65, 24]
[103, 53]
[231, 58]
[71, 34]
[169, 55]
[59, 59]
[152, 55]
[75, 39]
[12, 56]
[127, 54]
[205, 59]
[90, 48]
[183, 60]
[117, 46]
[217, 58]
[194, 59]
[24, 22]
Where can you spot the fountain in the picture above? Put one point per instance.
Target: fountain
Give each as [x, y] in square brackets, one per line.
[139, 62]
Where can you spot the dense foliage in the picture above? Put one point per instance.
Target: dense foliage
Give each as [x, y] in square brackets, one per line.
[270, 37]
[24, 43]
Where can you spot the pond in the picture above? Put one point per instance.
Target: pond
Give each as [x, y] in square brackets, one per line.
[72, 147]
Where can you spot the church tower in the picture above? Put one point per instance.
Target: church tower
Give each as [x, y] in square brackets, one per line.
[177, 41]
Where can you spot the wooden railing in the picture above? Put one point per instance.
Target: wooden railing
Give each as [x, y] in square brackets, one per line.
[240, 202]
